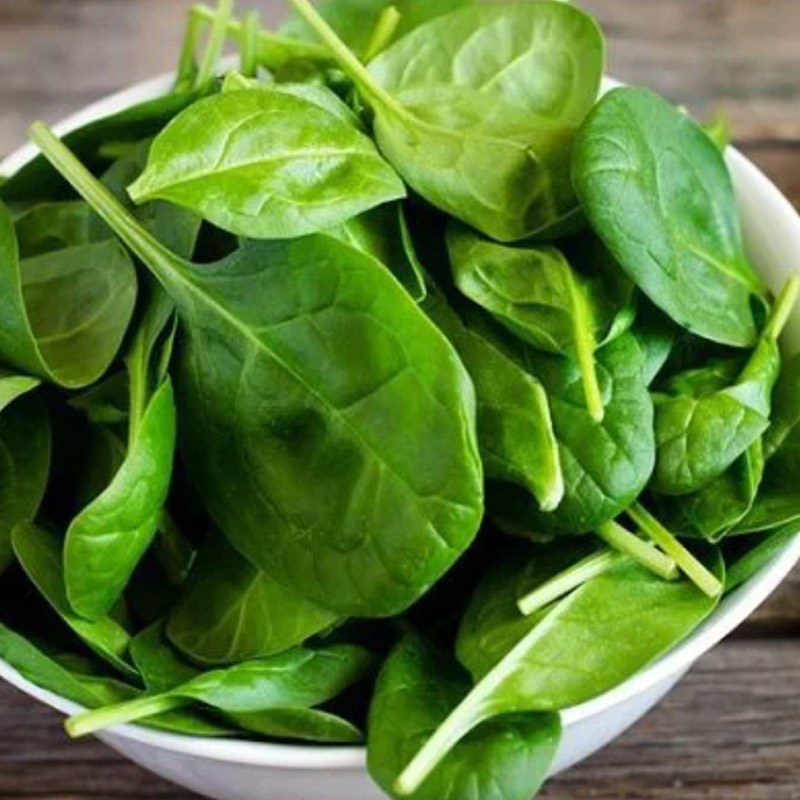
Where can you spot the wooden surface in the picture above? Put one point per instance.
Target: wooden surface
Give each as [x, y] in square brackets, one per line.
[731, 731]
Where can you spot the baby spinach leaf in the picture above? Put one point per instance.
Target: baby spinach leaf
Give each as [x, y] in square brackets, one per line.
[54, 226]
[492, 623]
[25, 443]
[66, 311]
[163, 670]
[515, 430]
[606, 464]
[230, 611]
[541, 298]
[383, 233]
[106, 540]
[588, 643]
[702, 430]
[355, 20]
[39, 553]
[506, 758]
[657, 191]
[266, 164]
[296, 679]
[105, 403]
[304, 452]
[477, 110]
[778, 500]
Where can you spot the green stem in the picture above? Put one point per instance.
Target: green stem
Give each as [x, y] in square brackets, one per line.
[585, 346]
[342, 53]
[248, 44]
[551, 497]
[570, 579]
[164, 264]
[643, 553]
[382, 33]
[688, 564]
[216, 43]
[783, 308]
[102, 718]
[187, 66]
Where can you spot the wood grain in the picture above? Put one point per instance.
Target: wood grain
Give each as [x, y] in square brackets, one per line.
[731, 731]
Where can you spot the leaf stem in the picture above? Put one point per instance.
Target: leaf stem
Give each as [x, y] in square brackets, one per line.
[688, 564]
[164, 264]
[342, 53]
[187, 66]
[585, 347]
[382, 33]
[131, 711]
[783, 307]
[216, 43]
[248, 44]
[570, 579]
[643, 553]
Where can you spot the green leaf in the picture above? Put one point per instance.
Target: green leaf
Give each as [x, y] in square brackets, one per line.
[478, 109]
[778, 500]
[25, 444]
[492, 623]
[606, 464]
[66, 311]
[515, 429]
[542, 299]
[266, 164]
[54, 226]
[304, 453]
[355, 20]
[383, 233]
[296, 679]
[163, 670]
[39, 553]
[657, 191]
[107, 539]
[699, 435]
[506, 758]
[230, 611]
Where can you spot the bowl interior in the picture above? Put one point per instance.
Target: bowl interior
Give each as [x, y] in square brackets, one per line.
[771, 229]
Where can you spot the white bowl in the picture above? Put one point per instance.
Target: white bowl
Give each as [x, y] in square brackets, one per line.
[227, 769]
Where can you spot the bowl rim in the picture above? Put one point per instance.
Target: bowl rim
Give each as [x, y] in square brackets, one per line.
[733, 610]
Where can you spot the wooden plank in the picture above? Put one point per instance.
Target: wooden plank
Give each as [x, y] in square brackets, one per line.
[728, 732]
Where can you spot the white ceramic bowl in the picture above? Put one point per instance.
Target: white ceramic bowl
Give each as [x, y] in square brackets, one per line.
[239, 770]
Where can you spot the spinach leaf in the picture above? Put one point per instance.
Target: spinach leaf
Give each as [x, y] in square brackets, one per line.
[758, 555]
[702, 430]
[492, 624]
[606, 464]
[25, 444]
[541, 298]
[355, 20]
[39, 553]
[107, 539]
[296, 679]
[384, 234]
[778, 500]
[230, 611]
[106, 402]
[304, 452]
[266, 164]
[66, 311]
[477, 110]
[503, 759]
[657, 191]
[515, 430]
[54, 226]
[163, 670]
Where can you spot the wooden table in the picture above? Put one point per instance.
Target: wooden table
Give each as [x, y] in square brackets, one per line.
[731, 731]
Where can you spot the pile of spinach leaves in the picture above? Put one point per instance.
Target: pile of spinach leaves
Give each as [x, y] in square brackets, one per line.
[394, 386]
